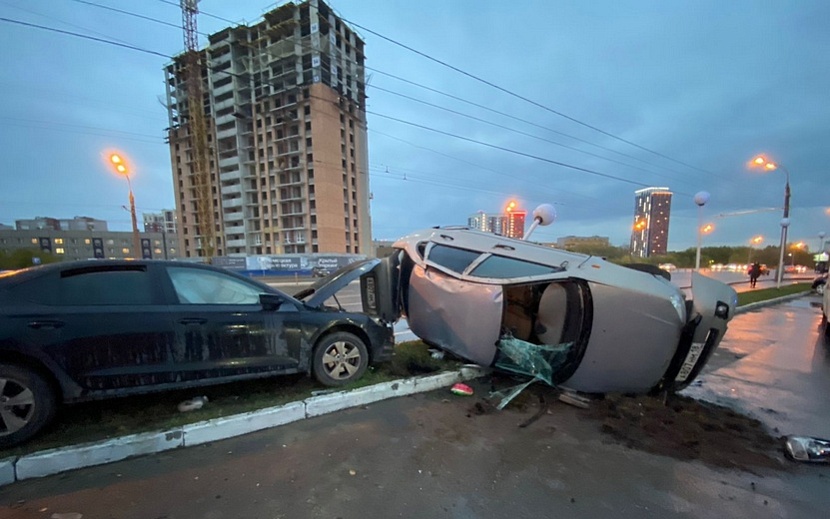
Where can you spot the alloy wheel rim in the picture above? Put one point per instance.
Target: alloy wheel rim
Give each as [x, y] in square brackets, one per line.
[17, 406]
[341, 360]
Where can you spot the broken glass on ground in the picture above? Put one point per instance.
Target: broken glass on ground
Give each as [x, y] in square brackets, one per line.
[538, 361]
[809, 449]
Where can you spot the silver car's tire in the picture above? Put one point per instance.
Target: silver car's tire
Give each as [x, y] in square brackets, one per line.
[27, 404]
[339, 358]
[820, 288]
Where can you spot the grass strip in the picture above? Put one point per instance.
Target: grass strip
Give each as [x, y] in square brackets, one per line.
[765, 294]
[105, 419]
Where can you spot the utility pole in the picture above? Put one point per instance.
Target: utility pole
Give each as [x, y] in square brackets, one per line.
[197, 130]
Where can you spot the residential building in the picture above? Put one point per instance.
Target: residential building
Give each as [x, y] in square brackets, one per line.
[91, 244]
[511, 223]
[165, 221]
[284, 101]
[650, 232]
[79, 223]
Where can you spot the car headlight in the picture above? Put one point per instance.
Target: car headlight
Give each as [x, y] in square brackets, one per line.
[722, 310]
[679, 305]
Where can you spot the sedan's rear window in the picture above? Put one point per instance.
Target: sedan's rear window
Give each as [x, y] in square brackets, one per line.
[105, 287]
[452, 258]
[501, 267]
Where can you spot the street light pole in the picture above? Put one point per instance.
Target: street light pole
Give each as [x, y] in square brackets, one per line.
[785, 221]
[121, 167]
[136, 239]
[700, 199]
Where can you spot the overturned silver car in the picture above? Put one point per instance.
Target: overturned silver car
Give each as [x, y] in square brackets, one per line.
[572, 320]
[595, 326]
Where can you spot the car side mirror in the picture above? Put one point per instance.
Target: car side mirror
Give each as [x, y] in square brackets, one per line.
[270, 302]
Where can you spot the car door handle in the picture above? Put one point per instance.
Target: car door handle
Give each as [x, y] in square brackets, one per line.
[38, 325]
[193, 320]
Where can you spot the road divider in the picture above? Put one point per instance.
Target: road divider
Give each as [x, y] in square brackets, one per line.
[54, 461]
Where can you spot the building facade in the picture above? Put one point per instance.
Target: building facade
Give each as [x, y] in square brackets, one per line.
[79, 223]
[165, 221]
[650, 232]
[285, 109]
[79, 245]
[511, 223]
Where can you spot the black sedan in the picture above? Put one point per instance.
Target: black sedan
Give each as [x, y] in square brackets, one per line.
[85, 330]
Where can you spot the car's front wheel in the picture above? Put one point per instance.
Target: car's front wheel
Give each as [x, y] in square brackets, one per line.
[27, 404]
[340, 358]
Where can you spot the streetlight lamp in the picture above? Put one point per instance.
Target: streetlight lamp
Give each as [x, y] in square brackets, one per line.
[763, 162]
[700, 199]
[120, 166]
[756, 240]
[821, 236]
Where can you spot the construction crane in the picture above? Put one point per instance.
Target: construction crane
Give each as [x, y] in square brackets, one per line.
[197, 129]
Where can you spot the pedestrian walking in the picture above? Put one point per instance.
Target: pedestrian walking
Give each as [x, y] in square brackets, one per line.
[754, 274]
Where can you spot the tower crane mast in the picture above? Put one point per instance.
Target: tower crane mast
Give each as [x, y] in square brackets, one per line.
[197, 129]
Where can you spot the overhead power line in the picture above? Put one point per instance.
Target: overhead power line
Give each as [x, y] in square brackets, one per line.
[304, 45]
[84, 36]
[523, 98]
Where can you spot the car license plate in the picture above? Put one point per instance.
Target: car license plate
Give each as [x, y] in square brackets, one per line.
[689, 363]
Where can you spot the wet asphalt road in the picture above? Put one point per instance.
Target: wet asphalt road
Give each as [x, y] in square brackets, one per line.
[430, 456]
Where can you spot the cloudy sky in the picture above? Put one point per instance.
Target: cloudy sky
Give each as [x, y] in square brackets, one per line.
[617, 96]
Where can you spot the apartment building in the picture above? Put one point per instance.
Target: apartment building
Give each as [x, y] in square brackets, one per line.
[164, 221]
[73, 244]
[650, 232]
[285, 109]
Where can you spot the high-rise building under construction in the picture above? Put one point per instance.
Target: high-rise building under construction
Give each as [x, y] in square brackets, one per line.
[284, 102]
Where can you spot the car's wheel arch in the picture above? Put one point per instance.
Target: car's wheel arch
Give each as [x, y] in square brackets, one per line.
[21, 360]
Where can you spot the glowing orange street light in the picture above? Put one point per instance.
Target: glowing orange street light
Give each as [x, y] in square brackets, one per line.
[706, 229]
[769, 165]
[757, 240]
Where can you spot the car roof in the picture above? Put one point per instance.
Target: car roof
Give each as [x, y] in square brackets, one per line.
[18, 276]
[484, 242]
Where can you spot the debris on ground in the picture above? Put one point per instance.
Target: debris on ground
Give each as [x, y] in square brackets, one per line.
[193, 404]
[436, 354]
[543, 408]
[571, 398]
[461, 389]
[504, 397]
[806, 448]
[319, 392]
[686, 428]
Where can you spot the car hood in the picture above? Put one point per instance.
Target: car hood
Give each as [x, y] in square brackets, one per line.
[317, 294]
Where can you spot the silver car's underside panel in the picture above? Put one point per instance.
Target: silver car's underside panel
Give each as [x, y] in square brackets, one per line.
[461, 317]
[633, 339]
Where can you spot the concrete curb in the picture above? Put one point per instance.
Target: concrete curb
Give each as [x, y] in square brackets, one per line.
[770, 302]
[54, 461]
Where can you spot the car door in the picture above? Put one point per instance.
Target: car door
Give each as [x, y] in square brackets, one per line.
[222, 329]
[105, 325]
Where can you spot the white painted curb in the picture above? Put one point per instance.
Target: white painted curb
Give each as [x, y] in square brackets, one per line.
[7, 471]
[236, 425]
[319, 405]
[62, 459]
[86, 455]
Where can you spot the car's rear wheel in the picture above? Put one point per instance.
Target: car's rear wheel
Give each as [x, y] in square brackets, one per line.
[27, 404]
[820, 288]
[340, 358]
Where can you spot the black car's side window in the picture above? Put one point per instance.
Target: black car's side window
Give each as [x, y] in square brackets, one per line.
[452, 258]
[105, 287]
[204, 287]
